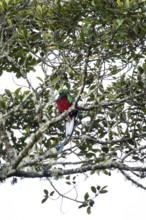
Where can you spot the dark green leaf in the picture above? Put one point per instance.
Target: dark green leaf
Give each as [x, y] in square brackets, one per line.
[8, 92]
[103, 191]
[46, 192]
[93, 189]
[52, 193]
[89, 210]
[44, 200]
[68, 183]
[86, 196]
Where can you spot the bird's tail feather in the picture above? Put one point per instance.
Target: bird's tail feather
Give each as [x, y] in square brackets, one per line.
[69, 126]
[60, 148]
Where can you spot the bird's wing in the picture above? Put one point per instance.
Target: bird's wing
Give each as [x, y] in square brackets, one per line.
[70, 98]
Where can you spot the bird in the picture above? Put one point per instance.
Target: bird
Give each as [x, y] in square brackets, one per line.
[64, 102]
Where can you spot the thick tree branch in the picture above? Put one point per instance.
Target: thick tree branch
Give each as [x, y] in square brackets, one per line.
[84, 169]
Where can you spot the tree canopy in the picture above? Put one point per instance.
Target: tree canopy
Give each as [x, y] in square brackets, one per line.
[95, 49]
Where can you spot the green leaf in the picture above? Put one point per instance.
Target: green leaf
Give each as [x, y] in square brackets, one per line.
[89, 210]
[17, 91]
[103, 191]
[120, 3]
[68, 183]
[86, 196]
[106, 172]
[84, 204]
[119, 22]
[44, 200]
[40, 79]
[7, 2]
[9, 22]
[104, 187]
[8, 92]
[27, 130]
[45, 196]
[68, 177]
[3, 102]
[39, 9]
[144, 66]
[127, 3]
[52, 193]
[93, 189]
[93, 2]
[46, 192]
[55, 80]
[30, 12]
[98, 187]
[1, 7]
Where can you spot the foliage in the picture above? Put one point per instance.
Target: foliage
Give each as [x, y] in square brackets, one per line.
[96, 49]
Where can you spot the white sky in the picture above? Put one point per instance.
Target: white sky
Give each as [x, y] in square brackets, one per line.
[22, 201]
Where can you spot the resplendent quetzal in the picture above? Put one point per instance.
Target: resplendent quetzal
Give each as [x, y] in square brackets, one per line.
[64, 102]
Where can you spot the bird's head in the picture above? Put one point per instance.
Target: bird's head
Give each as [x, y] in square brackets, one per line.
[63, 91]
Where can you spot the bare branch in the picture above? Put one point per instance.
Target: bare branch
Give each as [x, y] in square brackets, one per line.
[132, 180]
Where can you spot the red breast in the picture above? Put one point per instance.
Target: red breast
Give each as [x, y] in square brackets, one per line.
[63, 104]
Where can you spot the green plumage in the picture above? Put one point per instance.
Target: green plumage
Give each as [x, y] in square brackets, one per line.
[70, 98]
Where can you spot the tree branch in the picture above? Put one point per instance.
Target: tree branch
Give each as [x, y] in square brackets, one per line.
[128, 177]
[108, 103]
[84, 169]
